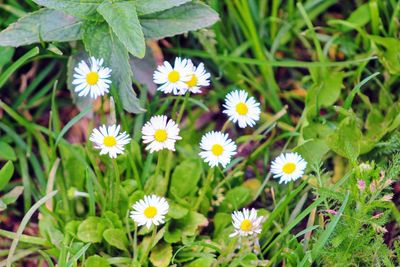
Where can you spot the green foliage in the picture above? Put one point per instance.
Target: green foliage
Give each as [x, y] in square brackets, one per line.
[328, 89]
[122, 31]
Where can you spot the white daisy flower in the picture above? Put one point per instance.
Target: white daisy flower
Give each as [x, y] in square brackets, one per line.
[150, 210]
[160, 133]
[199, 78]
[217, 148]
[173, 79]
[242, 110]
[246, 223]
[288, 167]
[109, 140]
[93, 79]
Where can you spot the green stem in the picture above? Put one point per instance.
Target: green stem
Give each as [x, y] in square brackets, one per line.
[206, 186]
[182, 109]
[115, 181]
[149, 247]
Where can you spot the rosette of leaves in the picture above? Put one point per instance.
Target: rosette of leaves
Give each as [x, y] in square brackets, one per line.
[110, 30]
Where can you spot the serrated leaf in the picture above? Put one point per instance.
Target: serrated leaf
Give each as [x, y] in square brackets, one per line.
[6, 173]
[184, 18]
[145, 7]
[76, 8]
[124, 22]
[6, 151]
[44, 25]
[116, 238]
[101, 42]
[161, 255]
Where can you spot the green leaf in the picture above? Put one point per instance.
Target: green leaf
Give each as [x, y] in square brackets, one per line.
[327, 91]
[124, 22]
[388, 50]
[116, 238]
[7, 152]
[191, 222]
[13, 195]
[91, 230]
[114, 219]
[76, 8]
[184, 18]
[161, 255]
[236, 198]
[6, 54]
[100, 41]
[6, 173]
[185, 177]
[346, 140]
[96, 261]
[313, 151]
[44, 25]
[145, 7]
[176, 211]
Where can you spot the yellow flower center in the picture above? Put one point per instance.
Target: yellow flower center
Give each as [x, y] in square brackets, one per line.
[217, 149]
[192, 82]
[92, 78]
[242, 108]
[109, 141]
[150, 212]
[246, 225]
[173, 76]
[161, 135]
[289, 167]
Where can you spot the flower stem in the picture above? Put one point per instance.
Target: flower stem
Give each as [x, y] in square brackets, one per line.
[206, 186]
[115, 182]
[150, 246]
[182, 109]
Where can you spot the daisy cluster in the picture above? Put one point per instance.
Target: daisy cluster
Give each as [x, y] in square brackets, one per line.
[160, 133]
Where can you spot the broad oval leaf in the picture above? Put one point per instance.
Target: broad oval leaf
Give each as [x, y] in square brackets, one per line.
[184, 18]
[185, 177]
[91, 230]
[123, 20]
[116, 238]
[96, 261]
[44, 25]
[161, 255]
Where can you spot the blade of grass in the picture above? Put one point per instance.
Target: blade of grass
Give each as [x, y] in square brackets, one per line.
[23, 224]
[281, 63]
[72, 122]
[17, 64]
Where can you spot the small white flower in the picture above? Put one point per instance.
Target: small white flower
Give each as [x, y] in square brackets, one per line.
[173, 79]
[217, 148]
[150, 210]
[242, 110]
[93, 79]
[246, 223]
[288, 167]
[160, 133]
[199, 78]
[109, 140]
